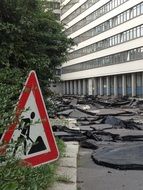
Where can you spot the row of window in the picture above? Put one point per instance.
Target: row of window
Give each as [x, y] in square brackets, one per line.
[79, 10]
[66, 7]
[96, 14]
[130, 55]
[115, 21]
[109, 42]
[53, 5]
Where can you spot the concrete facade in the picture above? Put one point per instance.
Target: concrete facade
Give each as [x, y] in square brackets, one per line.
[108, 57]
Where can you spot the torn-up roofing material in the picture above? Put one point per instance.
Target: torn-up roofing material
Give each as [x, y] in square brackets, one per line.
[109, 126]
[122, 156]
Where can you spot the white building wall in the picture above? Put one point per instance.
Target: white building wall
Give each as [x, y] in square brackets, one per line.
[102, 19]
[129, 67]
[110, 70]
[112, 50]
[121, 28]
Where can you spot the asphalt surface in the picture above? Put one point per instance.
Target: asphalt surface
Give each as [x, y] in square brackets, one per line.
[94, 177]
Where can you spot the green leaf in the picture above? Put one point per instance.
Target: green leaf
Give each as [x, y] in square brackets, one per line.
[30, 39]
[11, 186]
[35, 187]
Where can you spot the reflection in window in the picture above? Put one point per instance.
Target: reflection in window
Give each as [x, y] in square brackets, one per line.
[106, 25]
[93, 16]
[122, 57]
[109, 42]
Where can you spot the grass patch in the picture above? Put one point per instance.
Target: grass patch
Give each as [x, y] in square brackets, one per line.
[61, 147]
[14, 176]
[64, 179]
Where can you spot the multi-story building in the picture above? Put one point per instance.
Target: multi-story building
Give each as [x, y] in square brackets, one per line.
[54, 6]
[108, 56]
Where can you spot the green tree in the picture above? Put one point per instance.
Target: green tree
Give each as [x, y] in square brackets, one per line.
[30, 39]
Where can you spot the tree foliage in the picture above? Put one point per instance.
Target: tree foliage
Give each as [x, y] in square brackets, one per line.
[30, 39]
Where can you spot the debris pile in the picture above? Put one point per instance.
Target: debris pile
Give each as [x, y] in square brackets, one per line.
[113, 128]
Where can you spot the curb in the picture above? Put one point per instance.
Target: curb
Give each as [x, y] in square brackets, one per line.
[67, 170]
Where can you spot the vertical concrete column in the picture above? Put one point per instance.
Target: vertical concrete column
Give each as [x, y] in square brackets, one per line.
[71, 87]
[64, 87]
[108, 86]
[134, 86]
[95, 86]
[67, 87]
[124, 85]
[84, 87]
[75, 87]
[101, 86]
[89, 86]
[115, 86]
[142, 84]
[79, 87]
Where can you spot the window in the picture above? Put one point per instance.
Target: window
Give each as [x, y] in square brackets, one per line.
[138, 10]
[124, 16]
[127, 35]
[107, 7]
[138, 31]
[131, 34]
[141, 30]
[115, 3]
[121, 37]
[128, 15]
[141, 8]
[131, 13]
[96, 14]
[131, 55]
[134, 32]
[114, 21]
[128, 56]
[110, 5]
[134, 11]
[118, 39]
[141, 50]
[121, 18]
[108, 42]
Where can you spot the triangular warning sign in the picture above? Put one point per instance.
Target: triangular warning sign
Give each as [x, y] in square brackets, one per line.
[32, 133]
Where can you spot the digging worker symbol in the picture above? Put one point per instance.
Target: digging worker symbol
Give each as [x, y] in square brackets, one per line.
[25, 133]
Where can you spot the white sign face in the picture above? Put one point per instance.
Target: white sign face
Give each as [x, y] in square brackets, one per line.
[30, 136]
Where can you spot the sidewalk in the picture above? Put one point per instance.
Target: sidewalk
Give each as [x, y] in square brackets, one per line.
[67, 170]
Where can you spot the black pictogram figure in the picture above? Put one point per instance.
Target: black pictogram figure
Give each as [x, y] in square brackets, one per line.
[25, 132]
[38, 146]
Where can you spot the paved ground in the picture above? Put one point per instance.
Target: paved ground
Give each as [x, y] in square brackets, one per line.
[68, 168]
[94, 177]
